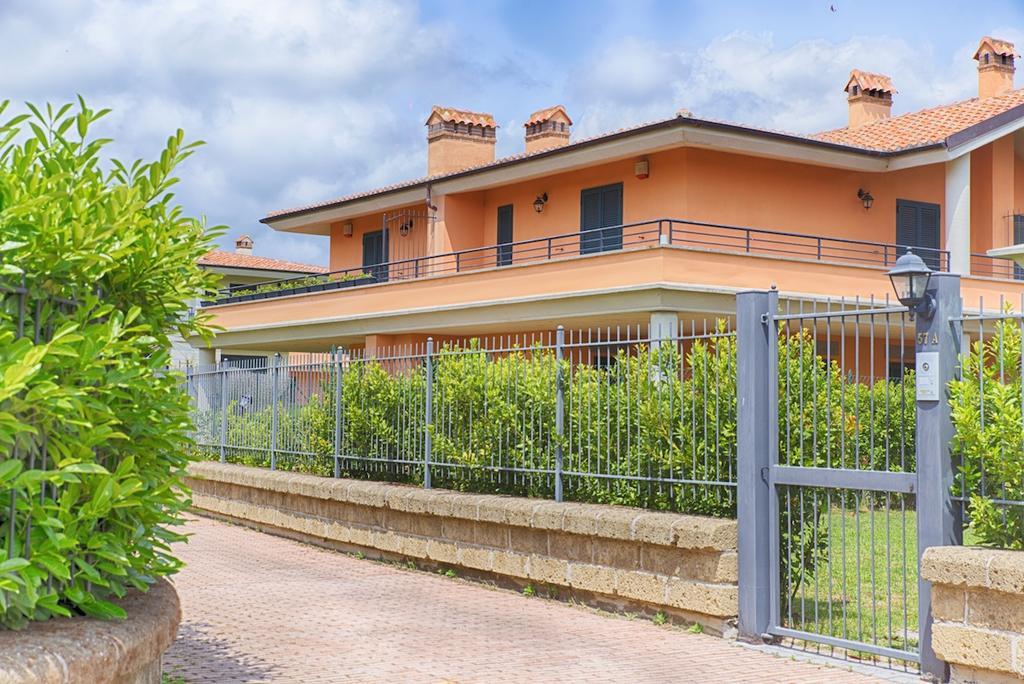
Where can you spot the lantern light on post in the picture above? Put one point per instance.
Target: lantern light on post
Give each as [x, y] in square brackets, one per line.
[538, 204]
[865, 197]
[910, 277]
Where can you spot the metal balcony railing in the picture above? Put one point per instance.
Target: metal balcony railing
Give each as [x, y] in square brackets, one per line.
[665, 232]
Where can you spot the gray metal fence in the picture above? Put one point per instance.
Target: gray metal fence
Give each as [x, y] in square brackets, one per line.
[613, 414]
[846, 437]
[988, 405]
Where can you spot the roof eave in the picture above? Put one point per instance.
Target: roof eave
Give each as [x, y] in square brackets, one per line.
[842, 155]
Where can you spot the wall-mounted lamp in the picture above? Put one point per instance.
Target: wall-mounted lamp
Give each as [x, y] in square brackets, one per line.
[346, 230]
[404, 228]
[538, 204]
[910, 277]
[642, 169]
[866, 197]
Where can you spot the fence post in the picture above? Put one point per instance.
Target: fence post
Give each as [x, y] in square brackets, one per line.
[559, 409]
[754, 367]
[274, 410]
[428, 409]
[222, 371]
[937, 348]
[338, 352]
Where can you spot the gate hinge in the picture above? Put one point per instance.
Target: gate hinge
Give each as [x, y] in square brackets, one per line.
[764, 474]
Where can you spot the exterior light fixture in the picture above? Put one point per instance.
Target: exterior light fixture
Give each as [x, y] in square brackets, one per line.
[910, 277]
[538, 204]
[346, 229]
[865, 197]
[642, 169]
[404, 228]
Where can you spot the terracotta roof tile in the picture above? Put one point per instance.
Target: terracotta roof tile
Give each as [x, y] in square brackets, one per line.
[233, 260]
[461, 116]
[917, 129]
[925, 127]
[542, 115]
[869, 81]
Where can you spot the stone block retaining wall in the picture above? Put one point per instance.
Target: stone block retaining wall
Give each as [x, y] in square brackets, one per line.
[685, 565]
[978, 606]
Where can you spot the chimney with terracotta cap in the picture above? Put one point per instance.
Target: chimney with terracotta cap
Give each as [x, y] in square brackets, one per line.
[457, 140]
[995, 67]
[869, 96]
[547, 128]
[243, 245]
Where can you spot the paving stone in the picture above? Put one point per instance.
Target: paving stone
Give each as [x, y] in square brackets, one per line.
[259, 608]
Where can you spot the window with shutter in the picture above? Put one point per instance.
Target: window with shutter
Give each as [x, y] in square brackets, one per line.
[375, 250]
[918, 226]
[504, 235]
[601, 219]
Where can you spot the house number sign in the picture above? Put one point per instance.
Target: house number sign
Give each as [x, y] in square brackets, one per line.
[927, 376]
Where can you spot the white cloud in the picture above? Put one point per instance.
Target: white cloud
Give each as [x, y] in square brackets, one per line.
[746, 78]
[302, 100]
[296, 99]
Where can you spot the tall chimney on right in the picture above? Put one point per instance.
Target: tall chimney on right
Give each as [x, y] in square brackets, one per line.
[995, 67]
[547, 128]
[869, 97]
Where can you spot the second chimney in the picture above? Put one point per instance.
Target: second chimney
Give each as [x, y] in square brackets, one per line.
[243, 245]
[457, 140]
[547, 128]
[869, 97]
[995, 67]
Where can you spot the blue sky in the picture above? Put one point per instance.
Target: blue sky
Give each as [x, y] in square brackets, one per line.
[303, 100]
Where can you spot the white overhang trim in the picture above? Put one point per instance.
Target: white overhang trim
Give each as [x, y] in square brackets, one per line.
[695, 133]
[985, 138]
[752, 143]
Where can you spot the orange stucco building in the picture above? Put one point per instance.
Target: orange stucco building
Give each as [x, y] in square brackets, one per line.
[662, 222]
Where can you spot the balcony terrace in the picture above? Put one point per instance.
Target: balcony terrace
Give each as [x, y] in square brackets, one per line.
[652, 233]
[607, 277]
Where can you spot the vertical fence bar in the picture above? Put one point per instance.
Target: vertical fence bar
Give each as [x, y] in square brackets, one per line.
[559, 410]
[338, 379]
[222, 372]
[754, 326]
[428, 410]
[938, 341]
[274, 410]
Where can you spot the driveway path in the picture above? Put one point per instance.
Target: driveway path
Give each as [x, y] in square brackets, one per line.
[259, 608]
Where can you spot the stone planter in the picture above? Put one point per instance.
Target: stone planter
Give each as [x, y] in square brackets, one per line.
[84, 650]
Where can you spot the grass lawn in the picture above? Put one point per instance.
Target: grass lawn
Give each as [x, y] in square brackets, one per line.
[865, 589]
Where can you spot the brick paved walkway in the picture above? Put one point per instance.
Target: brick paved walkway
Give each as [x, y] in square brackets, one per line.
[258, 608]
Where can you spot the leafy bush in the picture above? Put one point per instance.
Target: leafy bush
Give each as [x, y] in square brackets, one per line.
[986, 410]
[93, 429]
[644, 415]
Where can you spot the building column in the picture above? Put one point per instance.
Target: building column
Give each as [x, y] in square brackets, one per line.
[206, 356]
[958, 214]
[663, 325]
[1002, 192]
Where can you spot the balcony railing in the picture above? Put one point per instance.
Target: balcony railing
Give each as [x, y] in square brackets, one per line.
[992, 267]
[630, 236]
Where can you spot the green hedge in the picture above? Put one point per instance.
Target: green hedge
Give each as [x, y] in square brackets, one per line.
[93, 429]
[638, 417]
[989, 441]
[650, 415]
